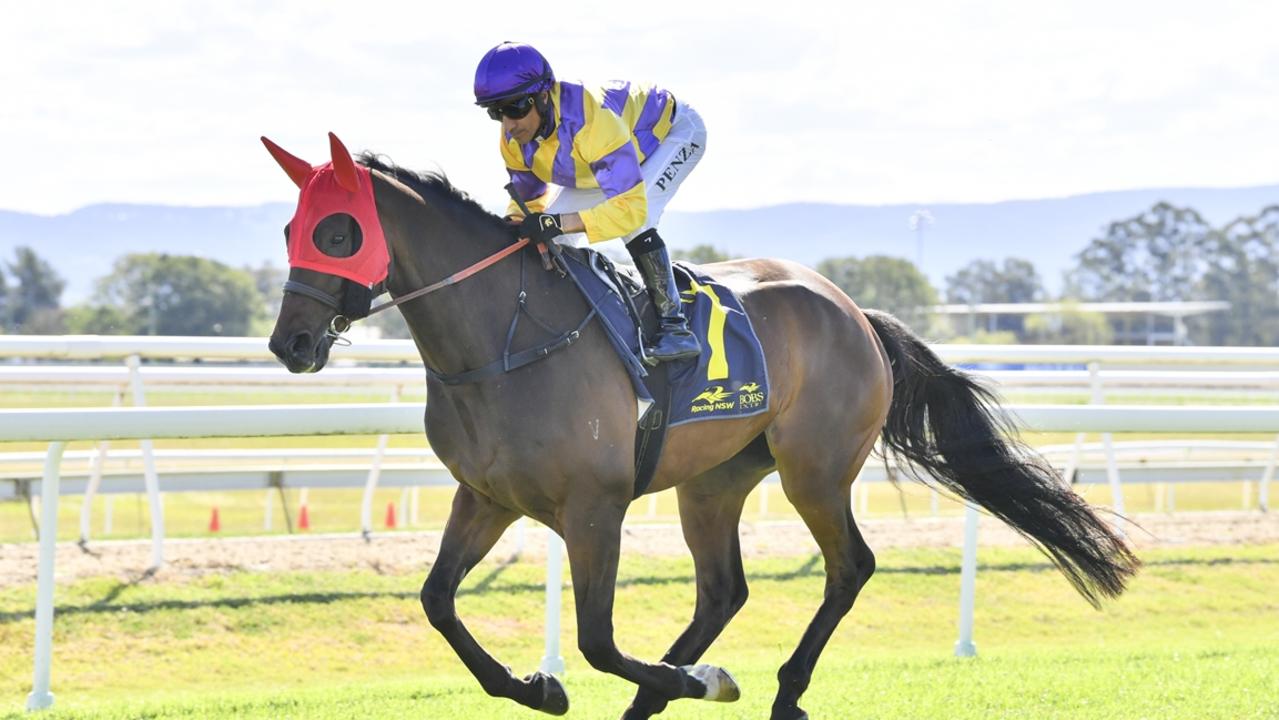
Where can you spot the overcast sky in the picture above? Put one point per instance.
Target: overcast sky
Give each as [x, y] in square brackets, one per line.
[884, 102]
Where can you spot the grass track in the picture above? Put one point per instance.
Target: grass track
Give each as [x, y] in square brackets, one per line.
[1197, 637]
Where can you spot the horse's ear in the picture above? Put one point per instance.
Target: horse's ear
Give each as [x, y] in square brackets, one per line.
[343, 165]
[298, 169]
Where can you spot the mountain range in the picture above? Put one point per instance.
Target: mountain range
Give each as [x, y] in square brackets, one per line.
[83, 244]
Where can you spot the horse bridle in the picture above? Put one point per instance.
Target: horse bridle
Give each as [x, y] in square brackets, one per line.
[342, 320]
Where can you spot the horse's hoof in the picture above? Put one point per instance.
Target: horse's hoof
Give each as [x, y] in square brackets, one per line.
[720, 686]
[554, 699]
[791, 713]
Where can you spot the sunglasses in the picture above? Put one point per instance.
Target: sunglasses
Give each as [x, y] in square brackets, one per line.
[513, 110]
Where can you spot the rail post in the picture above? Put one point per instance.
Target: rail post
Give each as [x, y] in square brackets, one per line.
[552, 661]
[95, 481]
[1263, 488]
[965, 647]
[375, 474]
[149, 474]
[40, 697]
[1108, 442]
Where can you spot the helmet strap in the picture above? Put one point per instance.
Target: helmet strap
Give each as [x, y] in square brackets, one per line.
[546, 111]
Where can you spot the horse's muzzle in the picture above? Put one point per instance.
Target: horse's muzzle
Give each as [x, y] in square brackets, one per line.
[302, 352]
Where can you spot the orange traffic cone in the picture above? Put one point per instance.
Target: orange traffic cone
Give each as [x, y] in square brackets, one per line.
[390, 516]
[304, 519]
[214, 523]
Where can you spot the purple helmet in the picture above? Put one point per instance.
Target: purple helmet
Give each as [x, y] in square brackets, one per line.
[511, 70]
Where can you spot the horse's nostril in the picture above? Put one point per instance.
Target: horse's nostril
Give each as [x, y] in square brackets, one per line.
[300, 344]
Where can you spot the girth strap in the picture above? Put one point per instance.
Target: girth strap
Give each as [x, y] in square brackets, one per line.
[512, 361]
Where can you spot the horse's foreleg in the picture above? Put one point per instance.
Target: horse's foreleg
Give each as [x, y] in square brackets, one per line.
[592, 537]
[710, 508]
[475, 524]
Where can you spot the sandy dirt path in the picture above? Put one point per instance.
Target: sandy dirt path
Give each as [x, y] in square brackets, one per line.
[406, 552]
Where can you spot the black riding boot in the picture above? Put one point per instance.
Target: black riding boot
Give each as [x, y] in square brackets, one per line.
[674, 340]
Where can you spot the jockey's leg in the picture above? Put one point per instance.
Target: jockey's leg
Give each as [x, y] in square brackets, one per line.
[674, 341]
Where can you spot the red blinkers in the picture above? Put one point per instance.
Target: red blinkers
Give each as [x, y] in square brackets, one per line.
[338, 186]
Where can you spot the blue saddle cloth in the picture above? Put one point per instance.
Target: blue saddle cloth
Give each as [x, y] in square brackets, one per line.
[729, 378]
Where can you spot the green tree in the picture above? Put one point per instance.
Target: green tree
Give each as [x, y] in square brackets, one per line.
[389, 323]
[1159, 255]
[99, 320]
[158, 294]
[885, 283]
[982, 281]
[701, 255]
[33, 306]
[4, 301]
[1069, 326]
[269, 280]
[1243, 269]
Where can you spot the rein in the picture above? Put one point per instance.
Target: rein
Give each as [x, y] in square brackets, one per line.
[453, 279]
[509, 360]
[341, 323]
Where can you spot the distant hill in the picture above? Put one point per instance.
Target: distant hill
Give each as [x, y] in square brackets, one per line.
[83, 244]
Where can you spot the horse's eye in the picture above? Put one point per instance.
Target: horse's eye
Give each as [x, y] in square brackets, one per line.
[338, 235]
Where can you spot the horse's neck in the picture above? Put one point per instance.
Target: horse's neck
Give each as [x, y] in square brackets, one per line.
[462, 326]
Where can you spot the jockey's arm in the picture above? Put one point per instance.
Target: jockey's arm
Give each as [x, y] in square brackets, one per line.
[569, 222]
[572, 223]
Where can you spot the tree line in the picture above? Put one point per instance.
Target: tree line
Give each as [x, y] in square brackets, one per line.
[143, 294]
[1165, 253]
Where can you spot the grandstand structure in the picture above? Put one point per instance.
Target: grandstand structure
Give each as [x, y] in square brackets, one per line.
[1134, 323]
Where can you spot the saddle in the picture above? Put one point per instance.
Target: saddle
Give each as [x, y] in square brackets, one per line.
[728, 380]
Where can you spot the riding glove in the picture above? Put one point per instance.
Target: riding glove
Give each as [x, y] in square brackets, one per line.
[541, 227]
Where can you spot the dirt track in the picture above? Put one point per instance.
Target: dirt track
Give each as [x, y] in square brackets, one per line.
[414, 551]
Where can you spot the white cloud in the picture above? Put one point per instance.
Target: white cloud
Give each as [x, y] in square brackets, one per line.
[914, 101]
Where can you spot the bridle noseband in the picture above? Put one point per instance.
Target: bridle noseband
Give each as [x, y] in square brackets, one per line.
[341, 322]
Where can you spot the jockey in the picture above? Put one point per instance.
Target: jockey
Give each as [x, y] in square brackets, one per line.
[613, 158]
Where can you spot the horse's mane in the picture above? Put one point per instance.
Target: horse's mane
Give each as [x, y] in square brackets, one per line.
[434, 186]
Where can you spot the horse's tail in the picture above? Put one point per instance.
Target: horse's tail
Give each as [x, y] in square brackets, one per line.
[945, 423]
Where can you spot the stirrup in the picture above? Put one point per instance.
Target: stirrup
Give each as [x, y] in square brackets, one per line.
[681, 344]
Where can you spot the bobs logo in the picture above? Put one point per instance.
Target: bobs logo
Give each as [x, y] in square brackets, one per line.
[750, 395]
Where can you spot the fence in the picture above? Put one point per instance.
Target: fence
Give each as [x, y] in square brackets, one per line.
[61, 426]
[409, 378]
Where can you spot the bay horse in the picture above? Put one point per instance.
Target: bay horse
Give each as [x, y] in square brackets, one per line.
[553, 440]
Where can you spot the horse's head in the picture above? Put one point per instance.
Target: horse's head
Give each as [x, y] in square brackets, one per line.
[337, 256]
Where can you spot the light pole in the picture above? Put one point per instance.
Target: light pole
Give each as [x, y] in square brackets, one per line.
[919, 220]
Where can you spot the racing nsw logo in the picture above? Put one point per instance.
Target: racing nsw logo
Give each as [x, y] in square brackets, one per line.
[750, 395]
[712, 399]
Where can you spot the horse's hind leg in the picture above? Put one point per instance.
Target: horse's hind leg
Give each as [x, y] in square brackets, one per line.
[819, 490]
[710, 508]
[475, 524]
[592, 536]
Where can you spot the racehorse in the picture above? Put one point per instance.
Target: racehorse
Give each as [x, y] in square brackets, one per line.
[553, 440]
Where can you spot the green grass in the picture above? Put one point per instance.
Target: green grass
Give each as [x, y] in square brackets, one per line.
[1197, 636]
